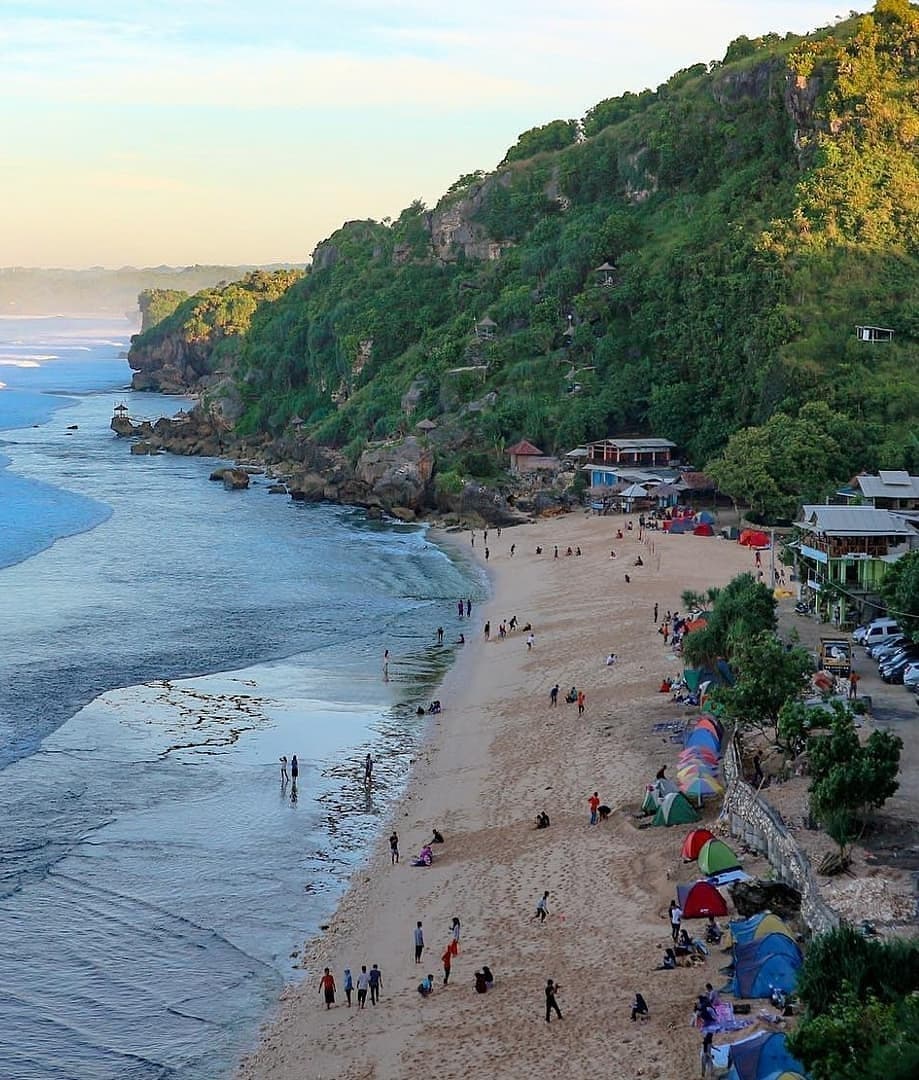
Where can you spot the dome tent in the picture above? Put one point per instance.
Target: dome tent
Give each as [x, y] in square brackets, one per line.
[757, 926]
[675, 809]
[694, 843]
[700, 899]
[762, 1055]
[715, 857]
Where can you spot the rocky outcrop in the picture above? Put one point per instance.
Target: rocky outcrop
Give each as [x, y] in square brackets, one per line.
[455, 231]
[398, 474]
[173, 365]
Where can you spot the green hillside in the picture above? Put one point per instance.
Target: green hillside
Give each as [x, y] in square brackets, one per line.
[753, 211]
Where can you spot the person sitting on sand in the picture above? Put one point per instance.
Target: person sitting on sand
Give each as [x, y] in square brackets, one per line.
[481, 987]
[639, 561]
[426, 986]
[438, 837]
[604, 812]
[569, 552]
[619, 535]
[665, 686]
[612, 554]
[572, 696]
[713, 932]
[669, 962]
[489, 978]
[526, 628]
[419, 711]
[639, 1007]
[611, 659]
[539, 550]
[425, 857]
[542, 820]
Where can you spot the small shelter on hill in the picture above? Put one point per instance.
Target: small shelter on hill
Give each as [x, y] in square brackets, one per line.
[762, 1056]
[426, 425]
[527, 458]
[675, 809]
[715, 857]
[700, 899]
[694, 843]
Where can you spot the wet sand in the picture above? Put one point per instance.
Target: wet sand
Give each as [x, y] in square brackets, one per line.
[495, 757]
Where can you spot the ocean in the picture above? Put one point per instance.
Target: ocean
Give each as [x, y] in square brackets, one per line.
[162, 643]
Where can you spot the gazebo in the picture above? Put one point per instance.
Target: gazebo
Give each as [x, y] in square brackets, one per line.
[485, 328]
[606, 274]
[426, 426]
[525, 458]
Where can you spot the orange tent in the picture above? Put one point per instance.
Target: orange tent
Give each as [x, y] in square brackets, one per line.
[694, 843]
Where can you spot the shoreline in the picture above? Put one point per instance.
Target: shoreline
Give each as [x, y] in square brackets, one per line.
[487, 765]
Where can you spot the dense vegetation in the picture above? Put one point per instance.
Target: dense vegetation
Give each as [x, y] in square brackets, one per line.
[754, 210]
[862, 1008]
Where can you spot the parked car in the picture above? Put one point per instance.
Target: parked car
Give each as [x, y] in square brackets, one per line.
[891, 671]
[886, 648]
[911, 675]
[874, 632]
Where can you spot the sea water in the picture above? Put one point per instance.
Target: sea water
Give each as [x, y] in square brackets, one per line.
[162, 643]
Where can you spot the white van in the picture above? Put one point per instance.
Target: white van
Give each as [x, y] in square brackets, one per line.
[876, 632]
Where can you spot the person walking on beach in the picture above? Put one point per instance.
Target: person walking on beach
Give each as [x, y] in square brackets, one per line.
[552, 989]
[468, 609]
[455, 930]
[488, 631]
[530, 639]
[447, 961]
[327, 988]
[368, 770]
[655, 615]
[594, 803]
[363, 981]
[555, 556]
[553, 696]
[487, 553]
[394, 847]
[348, 983]
[284, 776]
[542, 907]
[582, 702]
[513, 548]
[676, 917]
[419, 942]
[485, 536]
[376, 984]
[294, 768]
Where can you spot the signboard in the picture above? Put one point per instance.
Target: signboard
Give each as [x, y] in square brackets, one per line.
[813, 553]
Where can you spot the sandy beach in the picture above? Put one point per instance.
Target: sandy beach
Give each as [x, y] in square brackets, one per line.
[496, 756]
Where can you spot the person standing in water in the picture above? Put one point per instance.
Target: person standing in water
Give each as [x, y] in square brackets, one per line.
[368, 770]
[294, 768]
[284, 776]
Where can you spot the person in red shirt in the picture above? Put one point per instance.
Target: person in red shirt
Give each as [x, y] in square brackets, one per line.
[447, 960]
[594, 803]
[582, 699]
[327, 987]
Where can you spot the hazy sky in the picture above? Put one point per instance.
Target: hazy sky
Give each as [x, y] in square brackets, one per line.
[225, 131]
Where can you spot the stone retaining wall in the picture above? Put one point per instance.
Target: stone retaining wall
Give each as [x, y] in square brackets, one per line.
[760, 827]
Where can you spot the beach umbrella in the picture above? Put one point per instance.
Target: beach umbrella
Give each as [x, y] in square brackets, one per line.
[690, 772]
[699, 753]
[701, 787]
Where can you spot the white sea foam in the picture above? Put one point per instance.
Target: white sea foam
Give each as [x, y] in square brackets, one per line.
[17, 361]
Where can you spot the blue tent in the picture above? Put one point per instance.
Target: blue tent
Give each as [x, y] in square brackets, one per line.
[760, 1056]
[745, 930]
[703, 737]
[704, 518]
[681, 525]
[759, 966]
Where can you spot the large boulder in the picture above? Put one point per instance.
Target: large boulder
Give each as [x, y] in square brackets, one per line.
[398, 473]
[752, 897]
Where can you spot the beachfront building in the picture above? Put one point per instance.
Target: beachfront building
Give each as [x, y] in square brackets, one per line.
[844, 553]
[634, 453]
[527, 458]
[891, 489]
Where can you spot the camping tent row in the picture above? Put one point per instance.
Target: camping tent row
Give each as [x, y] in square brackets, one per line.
[713, 855]
[753, 538]
[765, 957]
[698, 765]
[699, 525]
[763, 1056]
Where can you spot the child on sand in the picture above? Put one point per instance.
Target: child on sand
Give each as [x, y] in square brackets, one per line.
[542, 907]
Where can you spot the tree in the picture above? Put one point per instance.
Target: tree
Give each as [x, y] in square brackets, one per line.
[743, 608]
[851, 778]
[900, 590]
[768, 674]
[538, 140]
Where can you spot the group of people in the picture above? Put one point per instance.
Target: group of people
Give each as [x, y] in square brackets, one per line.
[367, 981]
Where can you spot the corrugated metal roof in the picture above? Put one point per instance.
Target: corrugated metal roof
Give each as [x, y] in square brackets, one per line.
[890, 485]
[855, 521]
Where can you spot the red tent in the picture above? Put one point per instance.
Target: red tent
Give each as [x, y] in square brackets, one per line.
[694, 843]
[700, 900]
[753, 538]
[704, 529]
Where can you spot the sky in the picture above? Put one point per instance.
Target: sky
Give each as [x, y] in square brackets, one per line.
[145, 132]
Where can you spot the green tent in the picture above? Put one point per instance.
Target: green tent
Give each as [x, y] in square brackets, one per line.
[649, 803]
[675, 809]
[716, 856]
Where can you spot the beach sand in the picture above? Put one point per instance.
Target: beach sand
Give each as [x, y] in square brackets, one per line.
[495, 757]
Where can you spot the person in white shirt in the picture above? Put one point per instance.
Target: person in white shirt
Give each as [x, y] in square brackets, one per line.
[363, 982]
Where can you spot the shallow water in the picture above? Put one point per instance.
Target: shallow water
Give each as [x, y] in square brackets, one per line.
[154, 874]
